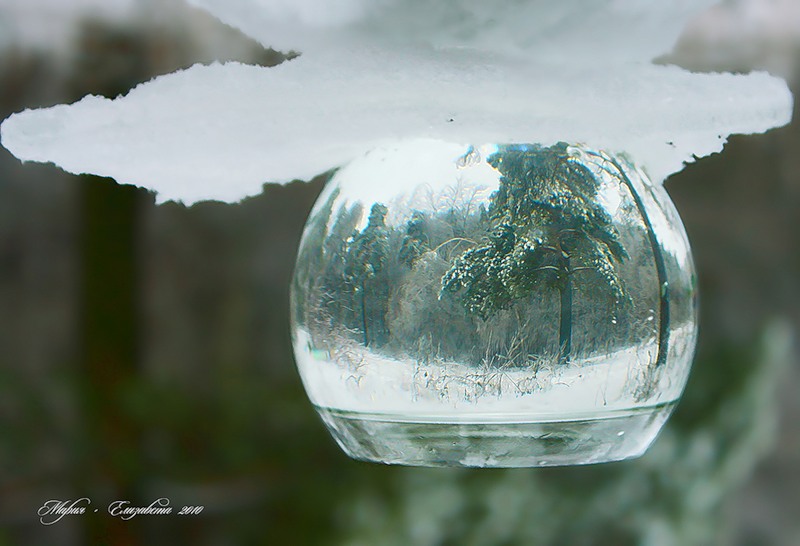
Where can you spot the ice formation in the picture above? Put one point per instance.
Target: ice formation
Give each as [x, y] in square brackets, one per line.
[373, 72]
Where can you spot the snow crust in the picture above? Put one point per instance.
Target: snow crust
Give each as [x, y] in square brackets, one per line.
[377, 72]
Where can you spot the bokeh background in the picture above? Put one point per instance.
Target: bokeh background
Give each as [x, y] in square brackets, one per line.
[144, 350]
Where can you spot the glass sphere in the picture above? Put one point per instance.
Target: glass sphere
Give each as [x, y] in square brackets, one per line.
[501, 305]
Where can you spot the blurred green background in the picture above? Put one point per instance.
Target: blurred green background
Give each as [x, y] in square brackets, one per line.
[144, 350]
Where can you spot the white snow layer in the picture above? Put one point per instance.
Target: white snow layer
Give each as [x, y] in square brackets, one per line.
[372, 73]
[376, 384]
[596, 30]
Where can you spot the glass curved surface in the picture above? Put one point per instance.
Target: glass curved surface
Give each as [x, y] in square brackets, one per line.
[500, 305]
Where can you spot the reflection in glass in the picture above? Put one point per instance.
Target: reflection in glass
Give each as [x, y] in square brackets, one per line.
[502, 305]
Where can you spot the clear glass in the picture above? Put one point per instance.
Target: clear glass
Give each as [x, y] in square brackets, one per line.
[500, 305]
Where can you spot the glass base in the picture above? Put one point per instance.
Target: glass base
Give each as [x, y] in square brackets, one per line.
[499, 442]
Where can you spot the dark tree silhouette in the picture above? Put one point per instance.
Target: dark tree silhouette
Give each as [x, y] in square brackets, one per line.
[414, 240]
[366, 259]
[336, 291]
[547, 226]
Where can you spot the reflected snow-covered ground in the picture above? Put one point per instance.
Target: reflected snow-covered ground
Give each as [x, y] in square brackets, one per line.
[360, 380]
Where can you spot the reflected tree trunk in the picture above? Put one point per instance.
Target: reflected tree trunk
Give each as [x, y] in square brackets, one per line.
[661, 268]
[565, 327]
[364, 312]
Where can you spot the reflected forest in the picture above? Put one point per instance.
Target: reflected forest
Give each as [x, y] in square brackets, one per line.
[555, 264]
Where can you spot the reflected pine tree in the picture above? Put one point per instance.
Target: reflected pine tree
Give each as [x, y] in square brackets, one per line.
[366, 259]
[548, 226]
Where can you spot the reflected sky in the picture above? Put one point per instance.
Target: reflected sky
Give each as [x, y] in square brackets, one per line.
[411, 167]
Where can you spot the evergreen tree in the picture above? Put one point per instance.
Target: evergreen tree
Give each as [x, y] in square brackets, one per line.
[336, 284]
[366, 258]
[547, 227]
[414, 241]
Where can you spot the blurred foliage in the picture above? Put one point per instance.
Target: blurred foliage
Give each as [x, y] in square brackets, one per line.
[198, 399]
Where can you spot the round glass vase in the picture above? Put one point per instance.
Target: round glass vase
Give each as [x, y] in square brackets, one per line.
[493, 306]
